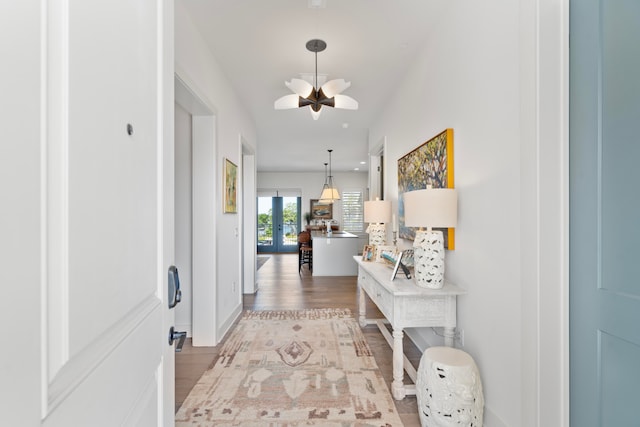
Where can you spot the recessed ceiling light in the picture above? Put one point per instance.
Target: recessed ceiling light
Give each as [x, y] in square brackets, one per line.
[317, 4]
[356, 169]
[363, 163]
[345, 125]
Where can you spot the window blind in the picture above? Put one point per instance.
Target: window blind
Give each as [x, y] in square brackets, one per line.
[352, 211]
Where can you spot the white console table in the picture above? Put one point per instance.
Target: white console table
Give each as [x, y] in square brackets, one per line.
[404, 305]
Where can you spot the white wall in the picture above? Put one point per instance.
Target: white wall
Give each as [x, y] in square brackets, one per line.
[471, 72]
[197, 66]
[310, 183]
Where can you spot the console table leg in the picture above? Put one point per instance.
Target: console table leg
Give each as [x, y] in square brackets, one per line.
[449, 336]
[397, 386]
[362, 308]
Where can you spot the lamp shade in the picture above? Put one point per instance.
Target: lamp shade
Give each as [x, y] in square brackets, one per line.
[377, 211]
[432, 207]
[330, 194]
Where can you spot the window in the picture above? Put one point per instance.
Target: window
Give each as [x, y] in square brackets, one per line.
[352, 211]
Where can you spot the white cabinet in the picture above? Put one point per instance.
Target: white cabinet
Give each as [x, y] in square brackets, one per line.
[332, 256]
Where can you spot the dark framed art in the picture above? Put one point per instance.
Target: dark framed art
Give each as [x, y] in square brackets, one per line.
[321, 210]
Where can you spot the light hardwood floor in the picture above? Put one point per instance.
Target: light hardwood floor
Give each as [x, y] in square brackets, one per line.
[280, 287]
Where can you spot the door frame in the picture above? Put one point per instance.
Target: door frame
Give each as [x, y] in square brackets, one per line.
[204, 213]
[544, 202]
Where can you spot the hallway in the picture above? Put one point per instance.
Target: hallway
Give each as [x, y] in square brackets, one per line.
[280, 287]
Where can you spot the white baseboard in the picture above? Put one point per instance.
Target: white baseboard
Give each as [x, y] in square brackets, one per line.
[228, 324]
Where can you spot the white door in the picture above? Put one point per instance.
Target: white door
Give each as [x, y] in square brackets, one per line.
[89, 91]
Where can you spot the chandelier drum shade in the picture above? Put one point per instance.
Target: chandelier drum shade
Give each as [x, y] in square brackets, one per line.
[307, 94]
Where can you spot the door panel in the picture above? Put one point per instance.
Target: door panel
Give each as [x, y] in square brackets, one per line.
[278, 224]
[106, 345]
[604, 154]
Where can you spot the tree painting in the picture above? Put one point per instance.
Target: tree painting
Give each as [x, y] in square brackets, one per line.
[429, 164]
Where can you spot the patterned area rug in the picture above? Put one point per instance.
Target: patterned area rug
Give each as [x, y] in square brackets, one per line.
[292, 368]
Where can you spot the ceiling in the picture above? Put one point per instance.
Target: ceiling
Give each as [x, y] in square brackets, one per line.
[261, 43]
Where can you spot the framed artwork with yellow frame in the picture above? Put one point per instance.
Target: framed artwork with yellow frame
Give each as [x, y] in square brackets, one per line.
[429, 164]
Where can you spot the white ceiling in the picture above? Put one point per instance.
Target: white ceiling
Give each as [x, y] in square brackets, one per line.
[261, 43]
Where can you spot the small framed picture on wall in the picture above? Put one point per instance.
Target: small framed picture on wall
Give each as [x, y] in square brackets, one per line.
[321, 210]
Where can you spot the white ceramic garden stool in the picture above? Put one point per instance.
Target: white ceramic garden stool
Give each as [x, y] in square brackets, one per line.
[449, 389]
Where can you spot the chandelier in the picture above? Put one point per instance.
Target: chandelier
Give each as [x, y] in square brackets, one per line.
[307, 94]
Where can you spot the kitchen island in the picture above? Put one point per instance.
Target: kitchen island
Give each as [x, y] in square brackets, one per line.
[333, 254]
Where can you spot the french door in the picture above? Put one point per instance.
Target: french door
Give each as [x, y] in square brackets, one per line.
[278, 224]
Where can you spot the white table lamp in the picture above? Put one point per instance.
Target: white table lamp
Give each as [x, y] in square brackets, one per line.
[377, 213]
[432, 207]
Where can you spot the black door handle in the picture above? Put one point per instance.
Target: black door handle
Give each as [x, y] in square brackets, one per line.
[179, 336]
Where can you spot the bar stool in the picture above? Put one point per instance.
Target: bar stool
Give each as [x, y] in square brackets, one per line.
[449, 389]
[305, 250]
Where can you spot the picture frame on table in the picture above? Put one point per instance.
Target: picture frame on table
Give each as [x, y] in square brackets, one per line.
[390, 251]
[400, 266]
[369, 253]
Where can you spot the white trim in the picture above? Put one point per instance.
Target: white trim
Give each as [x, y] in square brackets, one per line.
[165, 373]
[55, 195]
[564, 325]
[544, 123]
[226, 326]
[205, 180]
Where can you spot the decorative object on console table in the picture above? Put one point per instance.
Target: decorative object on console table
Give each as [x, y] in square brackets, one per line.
[377, 213]
[400, 265]
[432, 207]
[449, 389]
[388, 251]
[429, 164]
[394, 225]
[369, 253]
[230, 186]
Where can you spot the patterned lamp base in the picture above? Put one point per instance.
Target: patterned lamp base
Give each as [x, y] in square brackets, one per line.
[428, 249]
[449, 389]
[377, 234]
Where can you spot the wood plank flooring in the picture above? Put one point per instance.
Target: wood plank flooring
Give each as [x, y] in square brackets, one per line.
[280, 287]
